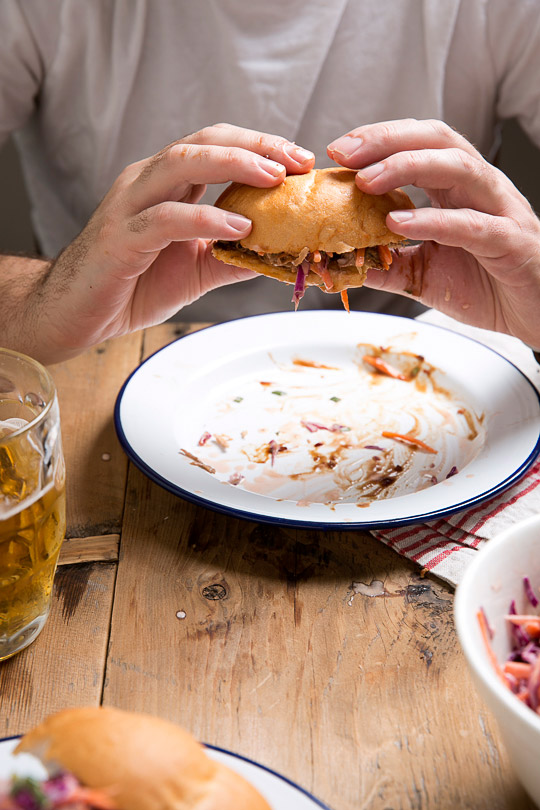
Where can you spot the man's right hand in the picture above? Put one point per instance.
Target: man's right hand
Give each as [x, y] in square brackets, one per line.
[145, 252]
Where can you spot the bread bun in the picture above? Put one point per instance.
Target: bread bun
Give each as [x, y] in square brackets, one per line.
[322, 211]
[145, 762]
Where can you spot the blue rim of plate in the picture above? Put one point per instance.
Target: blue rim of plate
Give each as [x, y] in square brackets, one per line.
[285, 779]
[367, 525]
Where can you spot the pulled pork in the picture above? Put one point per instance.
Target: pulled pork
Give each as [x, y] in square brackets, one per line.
[321, 263]
[370, 257]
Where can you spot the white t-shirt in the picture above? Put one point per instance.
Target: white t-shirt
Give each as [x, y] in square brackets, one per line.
[89, 86]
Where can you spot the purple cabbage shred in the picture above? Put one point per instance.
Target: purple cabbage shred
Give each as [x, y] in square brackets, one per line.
[529, 592]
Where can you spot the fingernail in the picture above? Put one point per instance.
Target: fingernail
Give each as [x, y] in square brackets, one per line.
[401, 216]
[238, 222]
[346, 147]
[298, 154]
[371, 172]
[273, 168]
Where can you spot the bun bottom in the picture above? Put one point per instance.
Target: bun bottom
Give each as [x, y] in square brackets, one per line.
[343, 279]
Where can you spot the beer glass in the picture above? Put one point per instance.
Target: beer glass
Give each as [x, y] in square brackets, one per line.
[32, 498]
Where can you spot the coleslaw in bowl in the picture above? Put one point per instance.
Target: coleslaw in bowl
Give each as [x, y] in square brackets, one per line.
[504, 581]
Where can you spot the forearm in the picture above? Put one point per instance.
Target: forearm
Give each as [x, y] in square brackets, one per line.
[21, 300]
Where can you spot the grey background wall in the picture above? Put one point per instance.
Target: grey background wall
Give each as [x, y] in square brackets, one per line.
[518, 158]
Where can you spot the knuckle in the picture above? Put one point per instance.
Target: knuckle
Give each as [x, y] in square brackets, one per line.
[231, 156]
[478, 225]
[278, 143]
[200, 216]
[413, 160]
[162, 214]
[148, 169]
[388, 131]
[204, 135]
[444, 131]
[207, 135]
[468, 162]
[439, 127]
[126, 178]
[126, 175]
[180, 152]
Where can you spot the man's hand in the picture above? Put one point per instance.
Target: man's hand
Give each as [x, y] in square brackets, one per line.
[145, 252]
[480, 261]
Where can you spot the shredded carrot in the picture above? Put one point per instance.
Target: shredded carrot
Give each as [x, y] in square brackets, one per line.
[520, 618]
[532, 629]
[383, 367]
[316, 256]
[360, 257]
[92, 797]
[489, 649]
[412, 439]
[345, 299]
[518, 669]
[385, 255]
[324, 273]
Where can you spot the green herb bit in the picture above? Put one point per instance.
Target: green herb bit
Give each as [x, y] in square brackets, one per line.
[279, 393]
[27, 785]
[238, 399]
[335, 399]
[414, 371]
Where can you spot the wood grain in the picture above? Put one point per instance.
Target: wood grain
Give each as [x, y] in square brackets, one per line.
[255, 638]
[90, 549]
[65, 665]
[95, 463]
[323, 655]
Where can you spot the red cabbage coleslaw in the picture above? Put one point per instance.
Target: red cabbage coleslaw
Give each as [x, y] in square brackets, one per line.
[520, 673]
[60, 791]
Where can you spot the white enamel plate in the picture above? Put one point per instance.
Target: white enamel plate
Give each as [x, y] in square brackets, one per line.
[330, 420]
[279, 792]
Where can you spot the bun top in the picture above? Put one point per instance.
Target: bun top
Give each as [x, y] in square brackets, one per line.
[320, 210]
[146, 762]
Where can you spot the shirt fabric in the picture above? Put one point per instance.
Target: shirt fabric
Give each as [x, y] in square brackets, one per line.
[89, 86]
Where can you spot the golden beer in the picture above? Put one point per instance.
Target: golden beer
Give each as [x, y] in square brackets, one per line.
[32, 503]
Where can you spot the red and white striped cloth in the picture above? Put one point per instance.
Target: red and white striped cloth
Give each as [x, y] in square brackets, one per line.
[447, 545]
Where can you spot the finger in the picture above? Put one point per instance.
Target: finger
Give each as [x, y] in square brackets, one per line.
[483, 235]
[196, 193]
[293, 157]
[470, 180]
[405, 275]
[169, 175]
[367, 144]
[156, 227]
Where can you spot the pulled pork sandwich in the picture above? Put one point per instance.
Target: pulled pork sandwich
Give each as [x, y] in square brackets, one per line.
[315, 228]
[108, 759]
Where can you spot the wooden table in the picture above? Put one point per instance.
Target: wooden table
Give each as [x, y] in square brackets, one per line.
[363, 700]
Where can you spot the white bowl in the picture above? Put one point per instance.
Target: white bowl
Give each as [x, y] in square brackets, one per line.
[491, 581]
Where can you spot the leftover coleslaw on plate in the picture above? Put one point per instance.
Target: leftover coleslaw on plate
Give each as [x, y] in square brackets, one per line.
[330, 419]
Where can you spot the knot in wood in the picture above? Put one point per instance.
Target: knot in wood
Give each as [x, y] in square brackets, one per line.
[214, 592]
